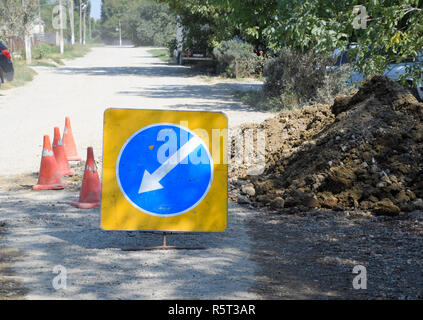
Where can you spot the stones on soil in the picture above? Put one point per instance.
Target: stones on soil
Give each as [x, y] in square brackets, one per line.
[363, 152]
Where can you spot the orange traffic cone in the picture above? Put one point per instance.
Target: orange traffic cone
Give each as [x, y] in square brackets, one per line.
[59, 154]
[49, 177]
[69, 142]
[90, 194]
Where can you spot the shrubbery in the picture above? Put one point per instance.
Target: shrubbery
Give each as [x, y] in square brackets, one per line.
[42, 51]
[172, 46]
[296, 79]
[237, 59]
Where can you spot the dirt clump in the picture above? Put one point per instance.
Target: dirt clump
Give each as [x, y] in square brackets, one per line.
[363, 152]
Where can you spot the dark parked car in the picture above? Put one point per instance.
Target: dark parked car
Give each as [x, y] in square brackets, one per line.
[7, 72]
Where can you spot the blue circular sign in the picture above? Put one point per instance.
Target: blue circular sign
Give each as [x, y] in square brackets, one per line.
[164, 169]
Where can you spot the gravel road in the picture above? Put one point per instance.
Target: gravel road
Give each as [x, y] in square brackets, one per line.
[286, 255]
[46, 231]
[84, 88]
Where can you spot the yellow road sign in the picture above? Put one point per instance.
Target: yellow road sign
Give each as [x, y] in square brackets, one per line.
[164, 170]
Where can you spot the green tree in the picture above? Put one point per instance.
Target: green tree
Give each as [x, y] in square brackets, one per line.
[16, 16]
[148, 22]
[205, 23]
[111, 12]
[47, 16]
[394, 28]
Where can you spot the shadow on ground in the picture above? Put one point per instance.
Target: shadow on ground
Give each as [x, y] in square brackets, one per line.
[221, 92]
[311, 256]
[301, 256]
[51, 232]
[159, 70]
[11, 288]
[217, 91]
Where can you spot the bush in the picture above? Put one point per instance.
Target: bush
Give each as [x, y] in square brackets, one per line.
[42, 51]
[172, 46]
[297, 79]
[237, 59]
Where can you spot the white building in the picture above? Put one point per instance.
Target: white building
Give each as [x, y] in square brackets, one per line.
[37, 26]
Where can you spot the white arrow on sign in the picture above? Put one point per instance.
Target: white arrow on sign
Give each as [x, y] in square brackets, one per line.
[151, 182]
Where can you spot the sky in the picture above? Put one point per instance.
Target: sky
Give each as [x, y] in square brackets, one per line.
[96, 9]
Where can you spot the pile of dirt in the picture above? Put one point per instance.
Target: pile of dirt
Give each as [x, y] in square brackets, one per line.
[363, 152]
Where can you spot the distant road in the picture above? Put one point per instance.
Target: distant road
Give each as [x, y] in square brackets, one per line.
[107, 77]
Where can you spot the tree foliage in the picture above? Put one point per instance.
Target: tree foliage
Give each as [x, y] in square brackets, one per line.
[145, 22]
[236, 58]
[149, 22]
[47, 16]
[394, 28]
[16, 16]
[111, 12]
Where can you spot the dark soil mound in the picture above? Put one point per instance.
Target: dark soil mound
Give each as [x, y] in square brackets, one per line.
[364, 152]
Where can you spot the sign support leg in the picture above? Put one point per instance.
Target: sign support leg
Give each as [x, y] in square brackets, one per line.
[164, 240]
[164, 246]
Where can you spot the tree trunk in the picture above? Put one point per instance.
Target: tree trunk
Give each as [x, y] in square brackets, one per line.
[85, 26]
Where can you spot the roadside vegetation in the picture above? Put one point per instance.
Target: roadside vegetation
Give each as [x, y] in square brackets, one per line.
[29, 48]
[291, 50]
[48, 55]
[293, 80]
[161, 53]
[268, 40]
[144, 22]
[43, 56]
[23, 74]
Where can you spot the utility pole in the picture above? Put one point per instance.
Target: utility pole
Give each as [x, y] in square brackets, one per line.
[85, 25]
[27, 37]
[80, 21]
[62, 40]
[72, 22]
[89, 21]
